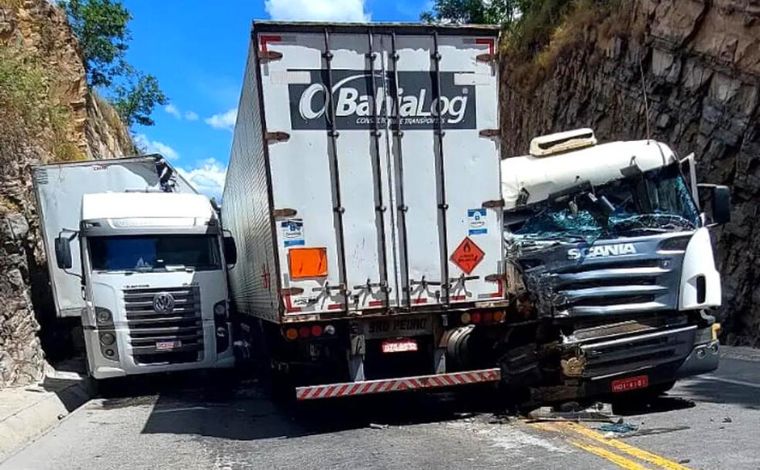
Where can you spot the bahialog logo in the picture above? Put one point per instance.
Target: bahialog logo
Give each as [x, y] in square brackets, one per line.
[417, 107]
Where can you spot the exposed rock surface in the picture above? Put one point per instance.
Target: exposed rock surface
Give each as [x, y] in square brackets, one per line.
[47, 114]
[701, 62]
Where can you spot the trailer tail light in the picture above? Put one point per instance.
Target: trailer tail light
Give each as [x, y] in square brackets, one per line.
[307, 263]
[316, 330]
[304, 332]
[485, 318]
[291, 334]
[329, 330]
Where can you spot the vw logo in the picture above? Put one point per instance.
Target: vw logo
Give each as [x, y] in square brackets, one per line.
[163, 302]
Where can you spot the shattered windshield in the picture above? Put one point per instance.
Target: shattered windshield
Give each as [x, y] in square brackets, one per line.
[648, 202]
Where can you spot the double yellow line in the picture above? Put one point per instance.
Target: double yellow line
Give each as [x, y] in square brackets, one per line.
[610, 449]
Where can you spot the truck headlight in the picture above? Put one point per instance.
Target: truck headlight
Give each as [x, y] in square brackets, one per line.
[103, 316]
[107, 338]
[220, 309]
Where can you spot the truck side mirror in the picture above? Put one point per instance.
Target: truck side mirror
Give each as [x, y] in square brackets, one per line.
[717, 199]
[63, 252]
[230, 250]
[721, 205]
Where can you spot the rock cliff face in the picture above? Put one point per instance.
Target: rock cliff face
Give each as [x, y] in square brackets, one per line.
[47, 114]
[701, 65]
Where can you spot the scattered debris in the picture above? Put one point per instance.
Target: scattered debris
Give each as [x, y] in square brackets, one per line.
[598, 412]
[619, 427]
[684, 461]
[378, 426]
[500, 419]
[727, 419]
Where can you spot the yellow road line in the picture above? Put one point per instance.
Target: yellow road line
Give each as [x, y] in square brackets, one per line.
[580, 430]
[642, 454]
[618, 460]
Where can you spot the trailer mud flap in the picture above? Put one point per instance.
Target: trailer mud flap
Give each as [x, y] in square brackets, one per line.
[317, 392]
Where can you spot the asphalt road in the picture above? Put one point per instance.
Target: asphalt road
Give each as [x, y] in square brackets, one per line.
[171, 422]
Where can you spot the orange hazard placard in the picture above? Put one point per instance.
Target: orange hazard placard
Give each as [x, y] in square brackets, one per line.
[467, 255]
[307, 262]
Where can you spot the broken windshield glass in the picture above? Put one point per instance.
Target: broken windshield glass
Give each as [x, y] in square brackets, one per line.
[650, 202]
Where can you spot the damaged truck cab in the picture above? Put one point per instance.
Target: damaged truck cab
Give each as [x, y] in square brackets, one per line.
[608, 253]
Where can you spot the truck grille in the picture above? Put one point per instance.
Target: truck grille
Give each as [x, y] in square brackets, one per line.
[165, 338]
[606, 358]
[609, 287]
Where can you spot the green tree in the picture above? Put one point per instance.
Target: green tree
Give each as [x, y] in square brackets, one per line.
[101, 27]
[501, 12]
[135, 100]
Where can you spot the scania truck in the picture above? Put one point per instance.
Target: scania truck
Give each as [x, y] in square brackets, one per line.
[139, 256]
[610, 262]
[384, 246]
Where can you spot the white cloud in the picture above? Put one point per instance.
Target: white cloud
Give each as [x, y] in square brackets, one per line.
[154, 146]
[225, 120]
[317, 10]
[207, 177]
[191, 116]
[171, 109]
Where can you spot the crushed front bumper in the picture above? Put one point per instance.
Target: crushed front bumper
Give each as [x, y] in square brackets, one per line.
[662, 356]
[655, 358]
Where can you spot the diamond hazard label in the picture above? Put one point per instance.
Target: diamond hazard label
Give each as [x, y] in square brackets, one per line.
[467, 255]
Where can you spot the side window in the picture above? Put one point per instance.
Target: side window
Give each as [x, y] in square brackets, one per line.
[689, 171]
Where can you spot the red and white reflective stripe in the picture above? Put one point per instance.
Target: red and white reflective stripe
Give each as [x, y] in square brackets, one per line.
[316, 392]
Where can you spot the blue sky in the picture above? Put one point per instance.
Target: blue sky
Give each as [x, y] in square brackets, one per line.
[197, 50]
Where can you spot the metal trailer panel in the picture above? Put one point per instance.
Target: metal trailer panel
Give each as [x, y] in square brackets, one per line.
[388, 199]
[59, 189]
[246, 208]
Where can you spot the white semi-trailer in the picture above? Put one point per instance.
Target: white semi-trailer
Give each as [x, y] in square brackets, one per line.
[363, 193]
[139, 256]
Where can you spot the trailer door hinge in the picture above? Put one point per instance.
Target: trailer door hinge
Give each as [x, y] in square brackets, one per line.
[488, 58]
[284, 213]
[277, 136]
[269, 56]
[490, 133]
[493, 204]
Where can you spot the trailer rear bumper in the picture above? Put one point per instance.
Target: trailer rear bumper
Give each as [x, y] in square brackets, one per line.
[367, 387]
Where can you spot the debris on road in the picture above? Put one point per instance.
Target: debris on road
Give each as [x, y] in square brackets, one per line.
[378, 426]
[598, 412]
[618, 428]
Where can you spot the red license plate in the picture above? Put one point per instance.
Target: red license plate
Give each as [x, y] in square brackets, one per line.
[631, 383]
[168, 345]
[401, 345]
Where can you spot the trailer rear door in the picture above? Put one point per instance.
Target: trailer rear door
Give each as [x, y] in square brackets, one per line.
[379, 203]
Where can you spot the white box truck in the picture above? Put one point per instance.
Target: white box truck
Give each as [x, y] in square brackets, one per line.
[363, 193]
[139, 256]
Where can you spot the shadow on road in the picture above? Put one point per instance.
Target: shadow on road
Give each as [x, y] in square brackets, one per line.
[228, 407]
[708, 390]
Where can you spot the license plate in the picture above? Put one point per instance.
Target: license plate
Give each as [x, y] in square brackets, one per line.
[401, 345]
[167, 345]
[396, 327]
[631, 383]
